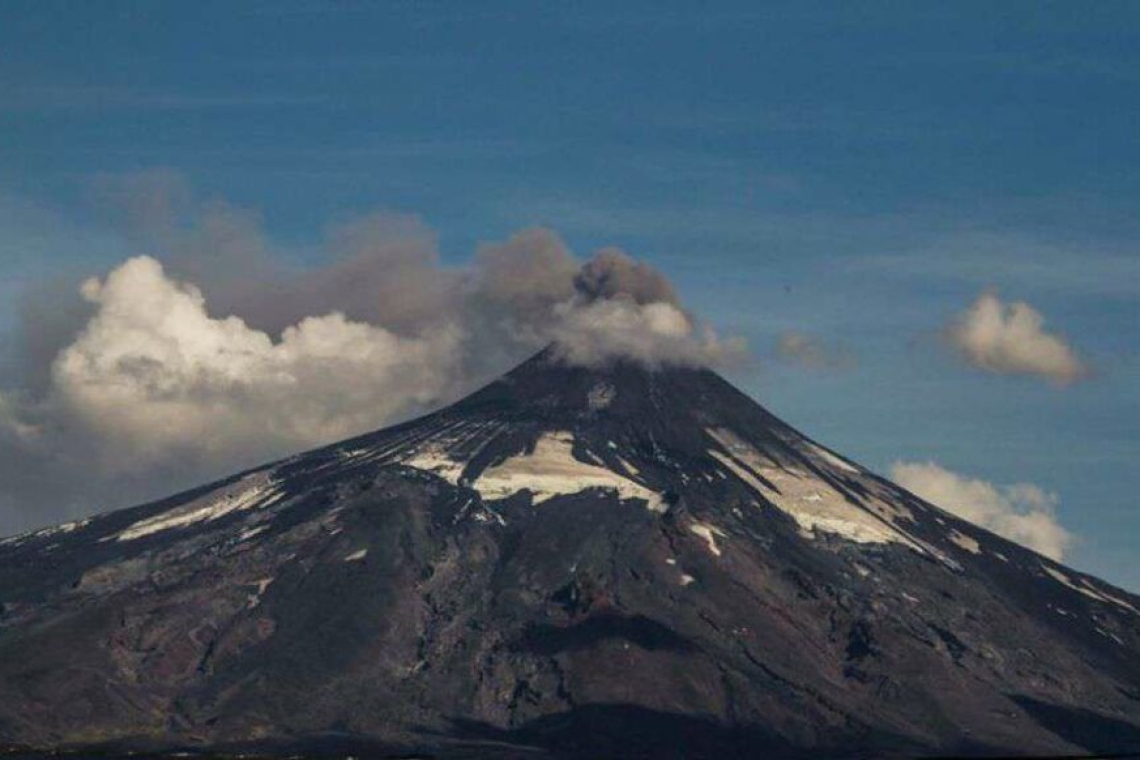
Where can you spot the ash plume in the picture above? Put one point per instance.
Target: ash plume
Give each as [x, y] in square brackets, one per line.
[205, 349]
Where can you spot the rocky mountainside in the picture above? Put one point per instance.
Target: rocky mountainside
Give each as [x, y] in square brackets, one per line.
[611, 562]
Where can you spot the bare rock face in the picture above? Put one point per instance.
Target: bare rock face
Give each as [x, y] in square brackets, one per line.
[578, 562]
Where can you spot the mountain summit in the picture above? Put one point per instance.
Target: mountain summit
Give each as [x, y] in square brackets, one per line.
[595, 562]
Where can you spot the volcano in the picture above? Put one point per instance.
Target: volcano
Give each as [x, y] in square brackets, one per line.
[575, 562]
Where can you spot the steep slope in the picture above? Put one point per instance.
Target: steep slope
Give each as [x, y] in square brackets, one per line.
[612, 561]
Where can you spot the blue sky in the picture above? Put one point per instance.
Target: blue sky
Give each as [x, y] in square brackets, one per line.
[860, 172]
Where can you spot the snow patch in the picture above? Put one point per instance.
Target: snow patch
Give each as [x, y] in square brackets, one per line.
[249, 533]
[433, 459]
[1110, 635]
[964, 541]
[813, 503]
[686, 579]
[739, 448]
[53, 530]
[709, 534]
[1087, 590]
[254, 599]
[552, 470]
[486, 515]
[255, 491]
[832, 459]
[356, 556]
[353, 456]
[592, 458]
[737, 470]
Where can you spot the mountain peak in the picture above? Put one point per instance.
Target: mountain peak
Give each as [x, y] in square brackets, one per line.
[547, 381]
[610, 560]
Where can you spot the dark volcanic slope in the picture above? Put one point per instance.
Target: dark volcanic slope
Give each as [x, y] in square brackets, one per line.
[607, 562]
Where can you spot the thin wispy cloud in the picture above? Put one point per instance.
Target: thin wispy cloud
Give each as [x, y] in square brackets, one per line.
[62, 98]
[809, 352]
[981, 258]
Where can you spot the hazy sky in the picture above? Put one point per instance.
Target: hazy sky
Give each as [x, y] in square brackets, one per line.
[862, 191]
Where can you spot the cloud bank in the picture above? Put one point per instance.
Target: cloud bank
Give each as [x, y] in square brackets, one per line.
[209, 353]
[1008, 339]
[1021, 512]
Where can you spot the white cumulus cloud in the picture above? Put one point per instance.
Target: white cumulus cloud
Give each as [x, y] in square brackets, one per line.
[1011, 339]
[154, 376]
[1021, 512]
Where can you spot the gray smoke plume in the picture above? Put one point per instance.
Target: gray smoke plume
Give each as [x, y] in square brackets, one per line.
[204, 351]
[612, 274]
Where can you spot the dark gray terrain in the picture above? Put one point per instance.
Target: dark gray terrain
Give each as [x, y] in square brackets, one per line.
[577, 562]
